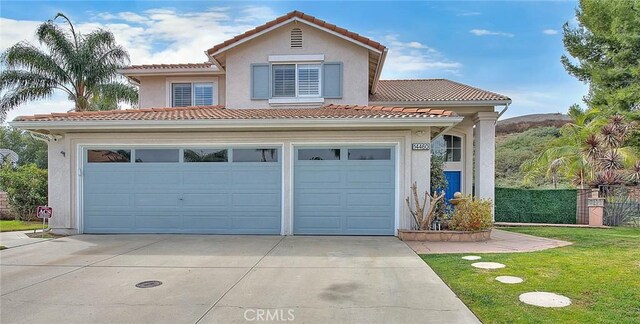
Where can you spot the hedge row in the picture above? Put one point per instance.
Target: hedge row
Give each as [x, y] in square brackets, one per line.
[536, 206]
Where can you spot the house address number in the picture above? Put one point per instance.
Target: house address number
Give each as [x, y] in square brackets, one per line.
[421, 146]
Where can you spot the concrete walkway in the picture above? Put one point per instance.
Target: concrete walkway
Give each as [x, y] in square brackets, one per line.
[501, 242]
[223, 279]
[18, 238]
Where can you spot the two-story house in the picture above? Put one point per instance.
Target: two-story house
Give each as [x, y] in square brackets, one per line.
[285, 129]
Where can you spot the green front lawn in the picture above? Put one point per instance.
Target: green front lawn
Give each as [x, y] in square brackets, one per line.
[15, 225]
[600, 272]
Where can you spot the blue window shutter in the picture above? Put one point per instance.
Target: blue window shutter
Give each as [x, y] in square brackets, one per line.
[260, 81]
[332, 80]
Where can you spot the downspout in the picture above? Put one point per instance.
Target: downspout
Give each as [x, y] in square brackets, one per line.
[442, 132]
[506, 107]
[47, 138]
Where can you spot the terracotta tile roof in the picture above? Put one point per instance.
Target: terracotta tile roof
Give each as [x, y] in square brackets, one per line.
[305, 17]
[430, 90]
[219, 112]
[203, 65]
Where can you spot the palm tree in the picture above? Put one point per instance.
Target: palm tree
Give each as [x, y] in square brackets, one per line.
[82, 66]
[591, 151]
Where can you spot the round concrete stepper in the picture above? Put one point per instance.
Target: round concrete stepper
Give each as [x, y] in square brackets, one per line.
[488, 265]
[545, 299]
[471, 257]
[509, 279]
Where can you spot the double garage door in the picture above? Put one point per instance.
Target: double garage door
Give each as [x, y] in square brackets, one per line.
[237, 190]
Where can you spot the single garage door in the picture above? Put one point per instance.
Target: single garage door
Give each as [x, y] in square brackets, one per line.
[182, 190]
[344, 190]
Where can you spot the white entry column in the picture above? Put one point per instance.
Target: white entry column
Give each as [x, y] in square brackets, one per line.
[485, 154]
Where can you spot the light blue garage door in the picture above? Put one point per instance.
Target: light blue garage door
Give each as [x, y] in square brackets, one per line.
[182, 190]
[344, 190]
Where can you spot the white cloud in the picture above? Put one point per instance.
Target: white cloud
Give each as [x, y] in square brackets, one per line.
[550, 32]
[163, 35]
[414, 59]
[484, 32]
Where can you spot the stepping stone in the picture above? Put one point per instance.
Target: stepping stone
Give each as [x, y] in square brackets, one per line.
[545, 299]
[509, 279]
[488, 265]
[471, 257]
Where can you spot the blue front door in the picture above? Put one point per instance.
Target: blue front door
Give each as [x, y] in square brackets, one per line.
[453, 180]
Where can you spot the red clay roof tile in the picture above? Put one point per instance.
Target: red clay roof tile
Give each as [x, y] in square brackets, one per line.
[219, 112]
[430, 90]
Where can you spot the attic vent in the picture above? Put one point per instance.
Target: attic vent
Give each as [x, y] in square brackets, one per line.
[296, 38]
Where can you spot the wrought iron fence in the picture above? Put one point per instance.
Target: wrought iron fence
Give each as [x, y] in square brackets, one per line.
[622, 205]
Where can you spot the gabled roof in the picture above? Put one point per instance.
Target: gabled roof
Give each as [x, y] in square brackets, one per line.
[220, 112]
[432, 91]
[302, 16]
[377, 52]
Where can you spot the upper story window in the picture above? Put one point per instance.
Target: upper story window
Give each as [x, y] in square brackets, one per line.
[192, 94]
[296, 80]
[450, 146]
[296, 38]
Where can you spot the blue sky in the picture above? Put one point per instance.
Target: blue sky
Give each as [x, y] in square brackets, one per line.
[510, 47]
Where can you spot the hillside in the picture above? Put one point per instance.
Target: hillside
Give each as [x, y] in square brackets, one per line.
[523, 123]
[521, 138]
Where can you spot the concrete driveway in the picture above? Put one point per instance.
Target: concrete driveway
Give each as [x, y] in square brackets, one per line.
[223, 279]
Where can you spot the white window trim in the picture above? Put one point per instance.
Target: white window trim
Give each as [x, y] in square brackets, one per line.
[169, 88]
[298, 98]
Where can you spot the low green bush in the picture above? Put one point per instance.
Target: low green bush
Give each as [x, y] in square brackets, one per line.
[472, 214]
[26, 188]
[554, 206]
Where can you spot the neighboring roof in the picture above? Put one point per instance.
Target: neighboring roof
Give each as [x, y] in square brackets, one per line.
[203, 65]
[219, 112]
[431, 90]
[305, 17]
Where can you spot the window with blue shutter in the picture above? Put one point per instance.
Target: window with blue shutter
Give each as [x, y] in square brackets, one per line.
[332, 80]
[260, 80]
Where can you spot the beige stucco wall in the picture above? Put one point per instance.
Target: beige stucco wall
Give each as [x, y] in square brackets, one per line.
[65, 183]
[355, 61]
[154, 90]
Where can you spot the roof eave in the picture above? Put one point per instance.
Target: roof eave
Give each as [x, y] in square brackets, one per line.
[238, 124]
[294, 18]
[443, 103]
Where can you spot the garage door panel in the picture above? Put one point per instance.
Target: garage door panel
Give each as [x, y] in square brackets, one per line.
[198, 222]
[100, 201]
[182, 197]
[143, 178]
[151, 200]
[196, 179]
[311, 223]
[316, 198]
[251, 177]
[107, 178]
[199, 200]
[97, 220]
[351, 197]
[368, 223]
[356, 200]
[163, 222]
[253, 201]
[380, 177]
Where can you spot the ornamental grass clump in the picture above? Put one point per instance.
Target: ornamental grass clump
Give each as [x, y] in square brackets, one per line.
[472, 214]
